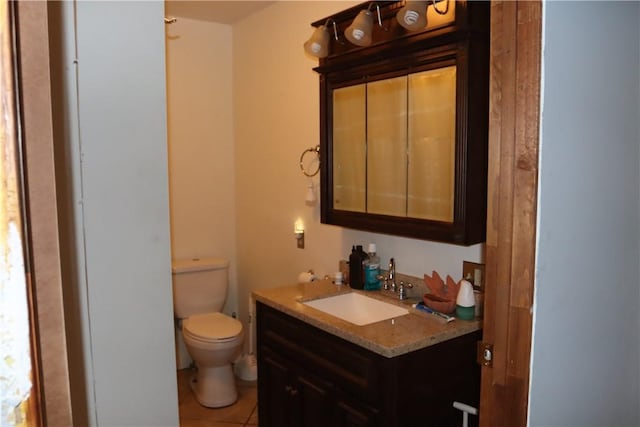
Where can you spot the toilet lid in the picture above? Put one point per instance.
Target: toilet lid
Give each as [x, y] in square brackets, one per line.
[212, 326]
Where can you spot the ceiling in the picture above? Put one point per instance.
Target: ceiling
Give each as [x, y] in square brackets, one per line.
[223, 12]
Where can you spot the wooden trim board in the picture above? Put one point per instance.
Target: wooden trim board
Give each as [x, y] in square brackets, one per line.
[511, 212]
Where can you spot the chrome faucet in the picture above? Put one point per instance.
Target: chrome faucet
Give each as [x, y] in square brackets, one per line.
[390, 282]
[392, 275]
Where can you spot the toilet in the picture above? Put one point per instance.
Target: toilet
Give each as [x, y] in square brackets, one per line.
[212, 339]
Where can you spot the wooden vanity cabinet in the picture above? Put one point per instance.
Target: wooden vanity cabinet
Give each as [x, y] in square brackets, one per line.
[308, 377]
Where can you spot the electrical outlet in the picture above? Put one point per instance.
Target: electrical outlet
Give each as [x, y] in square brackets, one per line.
[474, 273]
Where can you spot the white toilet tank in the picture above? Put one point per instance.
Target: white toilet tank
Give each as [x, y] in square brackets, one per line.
[199, 285]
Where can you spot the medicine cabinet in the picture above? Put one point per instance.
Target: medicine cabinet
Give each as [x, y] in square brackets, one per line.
[404, 125]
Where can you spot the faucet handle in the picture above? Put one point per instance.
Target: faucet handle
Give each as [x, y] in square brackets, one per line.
[402, 291]
[385, 279]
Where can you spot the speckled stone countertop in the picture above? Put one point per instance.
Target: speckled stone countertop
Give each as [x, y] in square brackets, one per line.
[388, 338]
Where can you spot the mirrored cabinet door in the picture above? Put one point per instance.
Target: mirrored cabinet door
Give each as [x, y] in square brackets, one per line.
[349, 148]
[431, 144]
[387, 147]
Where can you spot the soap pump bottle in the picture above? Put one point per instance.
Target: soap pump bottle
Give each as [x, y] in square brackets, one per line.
[372, 269]
[356, 272]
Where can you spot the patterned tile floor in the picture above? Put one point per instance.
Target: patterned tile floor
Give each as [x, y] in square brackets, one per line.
[242, 413]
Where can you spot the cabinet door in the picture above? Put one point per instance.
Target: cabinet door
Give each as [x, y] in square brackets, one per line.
[274, 392]
[312, 401]
[290, 396]
[349, 414]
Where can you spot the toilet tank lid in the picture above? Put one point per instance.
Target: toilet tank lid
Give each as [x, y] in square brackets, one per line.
[198, 264]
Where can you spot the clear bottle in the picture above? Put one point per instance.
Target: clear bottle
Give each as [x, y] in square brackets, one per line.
[372, 269]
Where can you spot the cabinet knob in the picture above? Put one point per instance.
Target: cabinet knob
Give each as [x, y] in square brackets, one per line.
[291, 390]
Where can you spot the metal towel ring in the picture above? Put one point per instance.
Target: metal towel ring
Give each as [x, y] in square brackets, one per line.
[316, 150]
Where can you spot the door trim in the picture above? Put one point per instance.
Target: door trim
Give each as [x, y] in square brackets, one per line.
[41, 208]
[514, 119]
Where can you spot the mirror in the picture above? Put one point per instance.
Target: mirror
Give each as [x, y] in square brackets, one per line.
[394, 146]
[404, 129]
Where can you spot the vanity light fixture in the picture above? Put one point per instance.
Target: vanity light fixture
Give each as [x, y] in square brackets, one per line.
[360, 30]
[413, 15]
[318, 43]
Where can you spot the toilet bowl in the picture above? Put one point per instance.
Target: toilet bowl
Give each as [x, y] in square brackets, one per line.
[213, 340]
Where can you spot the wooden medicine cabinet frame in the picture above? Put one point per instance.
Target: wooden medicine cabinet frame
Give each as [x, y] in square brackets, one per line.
[395, 52]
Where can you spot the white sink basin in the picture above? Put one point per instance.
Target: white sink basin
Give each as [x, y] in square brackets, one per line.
[357, 308]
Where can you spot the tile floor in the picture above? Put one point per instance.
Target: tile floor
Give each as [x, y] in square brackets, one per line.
[242, 413]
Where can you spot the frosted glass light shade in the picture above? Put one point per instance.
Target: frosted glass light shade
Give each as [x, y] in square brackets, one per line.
[413, 16]
[318, 43]
[359, 32]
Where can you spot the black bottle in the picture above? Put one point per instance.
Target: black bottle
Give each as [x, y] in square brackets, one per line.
[356, 269]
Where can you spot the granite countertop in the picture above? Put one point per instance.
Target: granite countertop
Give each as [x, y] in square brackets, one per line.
[388, 338]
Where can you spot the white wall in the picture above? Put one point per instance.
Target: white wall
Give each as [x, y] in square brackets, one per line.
[276, 117]
[585, 368]
[115, 199]
[201, 149]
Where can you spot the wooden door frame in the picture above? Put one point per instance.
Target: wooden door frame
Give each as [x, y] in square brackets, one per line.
[34, 87]
[515, 71]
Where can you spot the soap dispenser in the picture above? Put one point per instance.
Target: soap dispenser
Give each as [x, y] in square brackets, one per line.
[356, 272]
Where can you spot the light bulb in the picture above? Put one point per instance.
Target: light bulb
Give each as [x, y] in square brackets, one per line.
[413, 16]
[318, 43]
[359, 32]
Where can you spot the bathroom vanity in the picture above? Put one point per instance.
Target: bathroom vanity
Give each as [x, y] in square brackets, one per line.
[318, 370]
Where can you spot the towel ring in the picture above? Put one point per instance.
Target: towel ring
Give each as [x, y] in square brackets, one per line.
[316, 150]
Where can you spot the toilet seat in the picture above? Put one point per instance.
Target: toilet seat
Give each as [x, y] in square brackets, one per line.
[212, 327]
